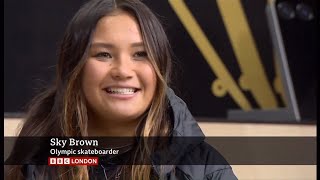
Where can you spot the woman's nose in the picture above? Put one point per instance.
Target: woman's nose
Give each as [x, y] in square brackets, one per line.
[122, 69]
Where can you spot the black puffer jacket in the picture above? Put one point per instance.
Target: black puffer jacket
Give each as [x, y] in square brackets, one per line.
[196, 159]
[188, 157]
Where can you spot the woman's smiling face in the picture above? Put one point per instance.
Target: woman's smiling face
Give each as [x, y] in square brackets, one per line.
[118, 80]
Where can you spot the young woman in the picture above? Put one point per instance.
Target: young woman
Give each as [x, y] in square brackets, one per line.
[112, 80]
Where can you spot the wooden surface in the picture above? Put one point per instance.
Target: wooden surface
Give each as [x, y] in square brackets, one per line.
[245, 172]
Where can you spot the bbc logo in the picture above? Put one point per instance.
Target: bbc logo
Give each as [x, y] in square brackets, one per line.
[73, 161]
[58, 161]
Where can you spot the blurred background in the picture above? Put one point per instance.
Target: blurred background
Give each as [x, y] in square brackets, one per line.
[244, 68]
[236, 60]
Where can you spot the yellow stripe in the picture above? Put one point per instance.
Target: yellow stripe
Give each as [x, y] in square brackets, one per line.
[224, 83]
[253, 76]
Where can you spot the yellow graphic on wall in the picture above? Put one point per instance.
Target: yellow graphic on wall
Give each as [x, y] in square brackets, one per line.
[253, 76]
[224, 83]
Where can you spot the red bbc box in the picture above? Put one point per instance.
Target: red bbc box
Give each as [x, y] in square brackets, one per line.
[73, 161]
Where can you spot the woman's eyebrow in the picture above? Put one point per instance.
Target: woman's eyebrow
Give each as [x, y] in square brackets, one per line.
[111, 46]
[137, 44]
[100, 44]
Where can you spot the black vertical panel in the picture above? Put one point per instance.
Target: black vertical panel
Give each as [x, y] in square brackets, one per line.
[32, 31]
[301, 42]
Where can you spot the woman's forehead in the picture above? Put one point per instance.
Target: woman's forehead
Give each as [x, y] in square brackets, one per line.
[119, 27]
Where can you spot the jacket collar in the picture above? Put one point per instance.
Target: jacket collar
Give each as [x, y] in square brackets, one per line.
[184, 124]
[186, 135]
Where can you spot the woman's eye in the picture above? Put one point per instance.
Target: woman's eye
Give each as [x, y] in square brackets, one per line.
[103, 55]
[141, 54]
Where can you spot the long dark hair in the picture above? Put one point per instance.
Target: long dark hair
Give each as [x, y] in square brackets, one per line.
[61, 110]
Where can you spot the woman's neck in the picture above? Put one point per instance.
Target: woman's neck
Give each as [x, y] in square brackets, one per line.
[112, 129]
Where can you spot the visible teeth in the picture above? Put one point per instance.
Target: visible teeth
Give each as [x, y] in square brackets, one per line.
[121, 90]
